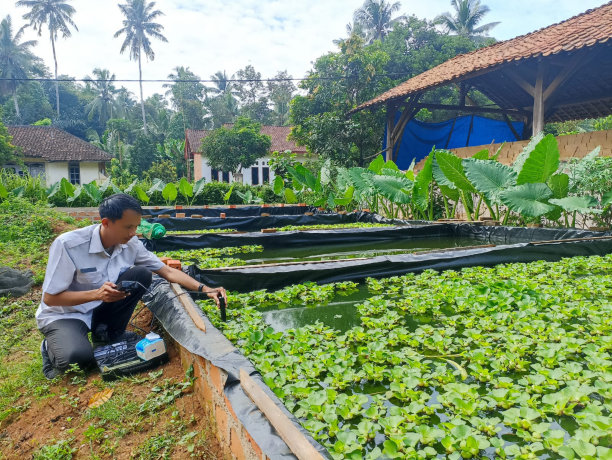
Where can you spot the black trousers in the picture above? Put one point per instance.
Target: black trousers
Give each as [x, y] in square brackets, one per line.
[67, 341]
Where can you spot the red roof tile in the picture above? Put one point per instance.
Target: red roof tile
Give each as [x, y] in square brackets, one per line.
[587, 29]
[52, 144]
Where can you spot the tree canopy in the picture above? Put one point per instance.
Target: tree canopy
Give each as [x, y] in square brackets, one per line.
[239, 146]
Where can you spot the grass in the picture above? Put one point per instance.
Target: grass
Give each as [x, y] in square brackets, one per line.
[148, 416]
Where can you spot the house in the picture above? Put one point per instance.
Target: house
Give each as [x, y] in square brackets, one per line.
[257, 174]
[54, 154]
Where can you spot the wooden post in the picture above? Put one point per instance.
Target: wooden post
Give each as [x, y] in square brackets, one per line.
[391, 109]
[538, 101]
[294, 438]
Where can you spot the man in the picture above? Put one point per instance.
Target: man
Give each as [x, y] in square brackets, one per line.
[80, 292]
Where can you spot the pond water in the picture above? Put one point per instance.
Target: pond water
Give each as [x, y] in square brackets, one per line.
[357, 250]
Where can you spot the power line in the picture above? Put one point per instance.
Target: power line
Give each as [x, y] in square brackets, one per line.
[229, 80]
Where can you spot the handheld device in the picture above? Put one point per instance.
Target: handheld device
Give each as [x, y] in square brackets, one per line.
[127, 286]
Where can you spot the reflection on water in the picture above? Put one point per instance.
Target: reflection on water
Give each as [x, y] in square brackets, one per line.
[355, 250]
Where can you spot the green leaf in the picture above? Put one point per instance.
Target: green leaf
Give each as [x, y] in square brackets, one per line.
[290, 197]
[169, 193]
[528, 199]
[185, 188]
[227, 196]
[76, 193]
[542, 163]
[462, 371]
[377, 164]
[3, 191]
[489, 177]
[308, 179]
[559, 184]
[93, 192]
[522, 157]
[606, 199]
[140, 193]
[395, 189]
[452, 168]
[582, 448]
[66, 188]
[390, 164]
[279, 183]
[482, 155]
[581, 204]
[198, 187]
[422, 182]
[158, 186]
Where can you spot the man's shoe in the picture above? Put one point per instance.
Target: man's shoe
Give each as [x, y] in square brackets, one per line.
[48, 369]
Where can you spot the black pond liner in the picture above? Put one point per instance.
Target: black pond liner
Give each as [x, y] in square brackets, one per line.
[500, 245]
[250, 223]
[242, 211]
[213, 346]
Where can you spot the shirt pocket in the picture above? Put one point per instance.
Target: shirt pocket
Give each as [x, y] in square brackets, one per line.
[87, 280]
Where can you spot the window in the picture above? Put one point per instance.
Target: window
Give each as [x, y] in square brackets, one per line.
[74, 171]
[266, 175]
[225, 177]
[214, 174]
[255, 176]
[36, 169]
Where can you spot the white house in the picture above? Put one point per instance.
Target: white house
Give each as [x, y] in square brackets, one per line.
[257, 174]
[52, 154]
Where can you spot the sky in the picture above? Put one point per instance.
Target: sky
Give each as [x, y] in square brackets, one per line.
[271, 35]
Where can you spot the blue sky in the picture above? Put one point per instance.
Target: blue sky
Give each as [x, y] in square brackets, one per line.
[271, 35]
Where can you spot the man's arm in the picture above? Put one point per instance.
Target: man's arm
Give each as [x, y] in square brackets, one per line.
[105, 293]
[177, 276]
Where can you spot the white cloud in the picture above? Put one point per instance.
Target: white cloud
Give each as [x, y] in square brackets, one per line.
[271, 35]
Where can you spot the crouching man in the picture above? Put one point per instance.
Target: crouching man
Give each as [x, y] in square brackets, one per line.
[80, 292]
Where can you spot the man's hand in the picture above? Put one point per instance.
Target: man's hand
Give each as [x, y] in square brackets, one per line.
[108, 293]
[213, 293]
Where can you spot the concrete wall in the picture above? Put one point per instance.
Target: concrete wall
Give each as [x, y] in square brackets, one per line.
[56, 170]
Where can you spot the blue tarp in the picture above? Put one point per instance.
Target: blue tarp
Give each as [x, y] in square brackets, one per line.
[419, 137]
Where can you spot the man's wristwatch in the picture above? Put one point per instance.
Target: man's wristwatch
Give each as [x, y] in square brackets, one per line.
[201, 288]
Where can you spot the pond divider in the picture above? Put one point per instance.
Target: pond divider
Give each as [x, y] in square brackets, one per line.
[241, 427]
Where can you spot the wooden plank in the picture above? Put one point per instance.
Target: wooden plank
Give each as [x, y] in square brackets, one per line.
[391, 109]
[472, 109]
[189, 306]
[295, 439]
[524, 84]
[577, 62]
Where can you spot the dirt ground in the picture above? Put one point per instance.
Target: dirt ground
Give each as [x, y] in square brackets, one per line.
[120, 428]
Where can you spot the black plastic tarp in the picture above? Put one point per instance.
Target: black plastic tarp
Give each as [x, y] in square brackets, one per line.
[274, 277]
[256, 223]
[214, 346]
[241, 211]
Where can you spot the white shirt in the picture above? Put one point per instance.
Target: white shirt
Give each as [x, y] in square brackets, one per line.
[78, 262]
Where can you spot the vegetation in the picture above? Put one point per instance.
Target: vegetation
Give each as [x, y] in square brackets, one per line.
[212, 257]
[510, 361]
[468, 14]
[229, 149]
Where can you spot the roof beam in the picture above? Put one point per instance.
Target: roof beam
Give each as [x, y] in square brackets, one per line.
[572, 66]
[472, 109]
[524, 84]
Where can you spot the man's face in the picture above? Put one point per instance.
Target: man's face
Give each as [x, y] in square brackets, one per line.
[122, 230]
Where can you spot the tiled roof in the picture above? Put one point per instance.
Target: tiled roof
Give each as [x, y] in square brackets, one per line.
[585, 30]
[52, 144]
[278, 136]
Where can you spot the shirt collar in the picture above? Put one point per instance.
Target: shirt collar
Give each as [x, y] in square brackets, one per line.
[95, 245]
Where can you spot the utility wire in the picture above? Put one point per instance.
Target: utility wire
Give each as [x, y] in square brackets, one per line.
[229, 80]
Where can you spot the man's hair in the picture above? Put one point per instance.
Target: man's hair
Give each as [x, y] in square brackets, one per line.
[112, 207]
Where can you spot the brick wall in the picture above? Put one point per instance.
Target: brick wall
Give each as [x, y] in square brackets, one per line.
[232, 435]
[570, 146]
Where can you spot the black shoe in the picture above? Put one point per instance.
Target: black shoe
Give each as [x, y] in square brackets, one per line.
[48, 369]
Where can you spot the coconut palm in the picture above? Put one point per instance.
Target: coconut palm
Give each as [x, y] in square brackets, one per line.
[138, 27]
[103, 103]
[375, 19]
[464, 22]
[17, 62]
[56, 14]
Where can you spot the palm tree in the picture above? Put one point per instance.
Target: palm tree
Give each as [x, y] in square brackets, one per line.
[468, 13]
[138, 26]
[16, 60]
[375, 19]
[57, 15]
[103, 103]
